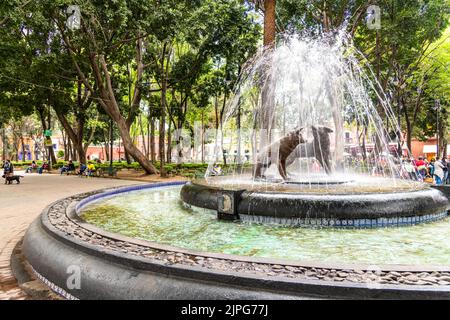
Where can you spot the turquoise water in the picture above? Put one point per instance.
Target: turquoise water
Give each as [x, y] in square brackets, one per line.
[158, 215]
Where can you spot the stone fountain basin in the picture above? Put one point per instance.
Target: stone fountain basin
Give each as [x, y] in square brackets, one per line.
[112, 266]
[304, 207]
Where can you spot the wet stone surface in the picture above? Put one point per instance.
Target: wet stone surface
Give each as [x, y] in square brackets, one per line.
[58, 218]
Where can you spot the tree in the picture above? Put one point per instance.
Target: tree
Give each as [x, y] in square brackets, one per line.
[321, 16]
[429, 86]
[404, 41]
[107, 32]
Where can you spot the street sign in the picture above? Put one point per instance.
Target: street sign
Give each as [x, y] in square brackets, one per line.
[48, 133]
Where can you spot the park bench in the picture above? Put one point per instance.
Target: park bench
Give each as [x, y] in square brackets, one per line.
[101, 172]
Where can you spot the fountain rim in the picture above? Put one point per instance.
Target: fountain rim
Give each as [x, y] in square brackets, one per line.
[67, 248]
[204, 183]
[341, 210]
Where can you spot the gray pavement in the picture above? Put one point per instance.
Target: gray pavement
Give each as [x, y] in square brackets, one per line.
[21, 203]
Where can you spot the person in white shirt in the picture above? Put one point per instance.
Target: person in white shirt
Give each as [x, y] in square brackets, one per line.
[438, 171]
[410, 169]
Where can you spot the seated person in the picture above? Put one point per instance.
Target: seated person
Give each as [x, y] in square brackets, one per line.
[82, 170]
[32, 167]
[216, 170]
[70, 167]
[90, 169]
[64, 169]
[44, 166]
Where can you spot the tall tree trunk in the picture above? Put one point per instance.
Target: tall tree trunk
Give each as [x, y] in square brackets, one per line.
[162, 125]
[106, 143]
[120, 153]
[269, 22]
[81, 153]
[267, 100]
[216, 110]
[127, 155]
[408, 129]
[66, 142]
[203, 136]
[78, 150]
[143, 136]
[4, 143]
[22, 142]
[239, 137]
[148, 139]
[152, 140]
[74, 155]
[169, 143]
[103, 156]
[221, 119]
[444, 148]
[69, 150]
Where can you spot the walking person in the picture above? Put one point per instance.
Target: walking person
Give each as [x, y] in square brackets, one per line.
[430, 169]
[410, 170]
[445, 169]
[8, 170]
[438, 172]
[448, 171]
[32, 167]
[421, 168]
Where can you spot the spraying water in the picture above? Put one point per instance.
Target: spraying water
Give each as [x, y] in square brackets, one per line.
[319, 88]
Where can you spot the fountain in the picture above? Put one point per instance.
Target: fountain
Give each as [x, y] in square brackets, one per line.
[308, 217]
[298, 99]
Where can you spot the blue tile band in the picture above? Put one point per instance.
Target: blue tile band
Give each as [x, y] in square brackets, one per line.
[345, 223]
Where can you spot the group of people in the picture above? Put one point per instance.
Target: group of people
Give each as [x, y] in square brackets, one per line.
[8, 169]
[34, 167]
[436, 170]
[84, 169]
[69, 167]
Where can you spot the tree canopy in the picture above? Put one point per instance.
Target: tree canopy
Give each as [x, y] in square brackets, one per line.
[154, 67]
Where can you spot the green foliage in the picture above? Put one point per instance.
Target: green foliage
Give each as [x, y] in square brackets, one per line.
[199, 47]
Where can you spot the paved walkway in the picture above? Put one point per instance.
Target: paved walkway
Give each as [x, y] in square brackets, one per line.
[21, 204]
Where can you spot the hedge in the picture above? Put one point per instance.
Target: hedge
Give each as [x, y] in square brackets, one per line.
[191, 170]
